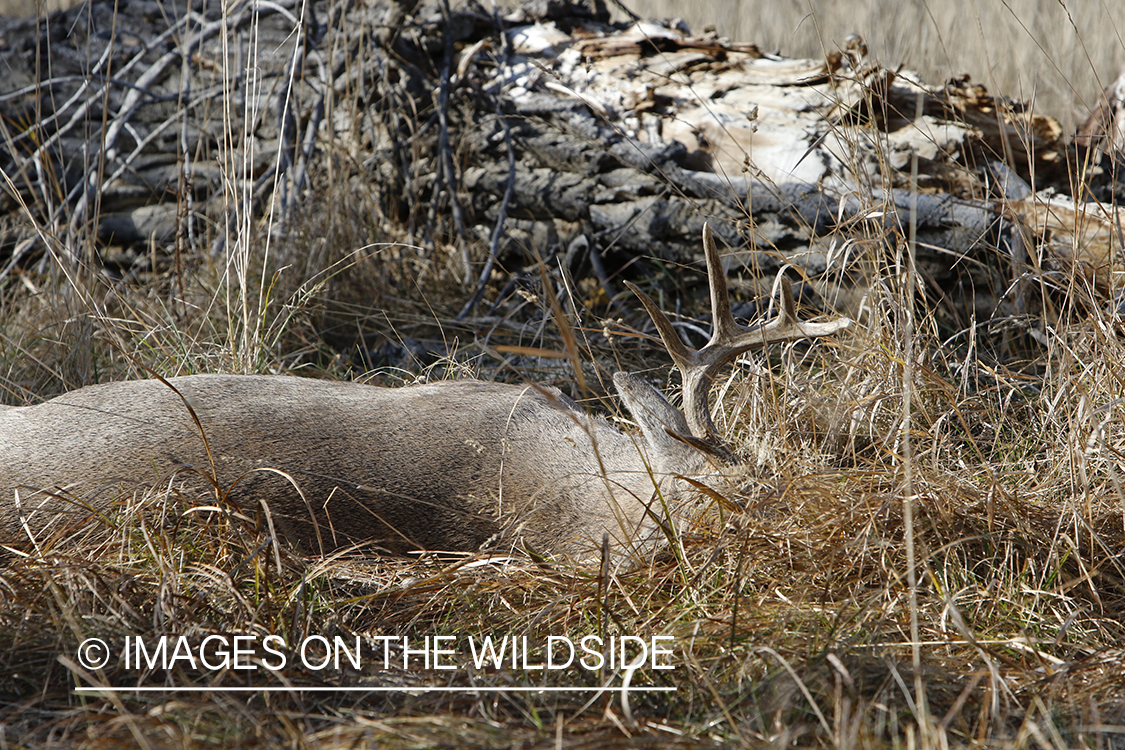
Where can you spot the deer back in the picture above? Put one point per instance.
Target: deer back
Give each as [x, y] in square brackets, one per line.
[446, 466]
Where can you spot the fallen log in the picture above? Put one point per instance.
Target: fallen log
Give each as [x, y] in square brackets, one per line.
[533, 128]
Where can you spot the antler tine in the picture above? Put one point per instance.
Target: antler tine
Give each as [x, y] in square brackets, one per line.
[728, 339]
[722, 320]
[682, 357]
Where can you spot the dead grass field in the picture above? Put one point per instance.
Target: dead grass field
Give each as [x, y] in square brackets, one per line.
[1060, 55]
[25, 8]
[931, 553]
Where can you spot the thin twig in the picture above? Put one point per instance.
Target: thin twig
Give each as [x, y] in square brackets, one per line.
[501, 217]
[449, 173]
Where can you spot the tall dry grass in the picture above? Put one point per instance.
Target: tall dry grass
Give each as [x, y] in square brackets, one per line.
[1059, 54]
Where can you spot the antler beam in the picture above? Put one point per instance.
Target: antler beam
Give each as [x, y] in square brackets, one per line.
[698, 367]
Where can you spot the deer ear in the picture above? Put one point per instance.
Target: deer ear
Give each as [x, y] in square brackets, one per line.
[660, 423]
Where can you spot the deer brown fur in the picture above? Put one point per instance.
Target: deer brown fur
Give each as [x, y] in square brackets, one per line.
[445, 466]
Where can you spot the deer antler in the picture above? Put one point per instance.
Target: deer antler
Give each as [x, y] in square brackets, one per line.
[698, 367]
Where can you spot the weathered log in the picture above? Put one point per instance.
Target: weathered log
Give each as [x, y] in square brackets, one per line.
[631, 134]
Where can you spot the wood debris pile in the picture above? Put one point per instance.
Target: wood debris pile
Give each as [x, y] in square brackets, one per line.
[546, 121]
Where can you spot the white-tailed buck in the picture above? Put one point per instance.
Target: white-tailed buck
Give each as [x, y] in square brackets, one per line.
[446, 466]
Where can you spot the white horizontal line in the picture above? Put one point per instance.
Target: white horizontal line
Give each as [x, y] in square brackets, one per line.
[371, 689]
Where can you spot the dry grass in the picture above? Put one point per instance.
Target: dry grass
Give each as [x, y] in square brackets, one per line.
[931, 554]
[790, 623]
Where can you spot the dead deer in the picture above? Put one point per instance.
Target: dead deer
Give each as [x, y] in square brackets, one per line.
[445, 466]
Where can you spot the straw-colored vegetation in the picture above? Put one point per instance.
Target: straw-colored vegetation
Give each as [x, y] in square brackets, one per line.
[929, 552]
[1057, 54]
